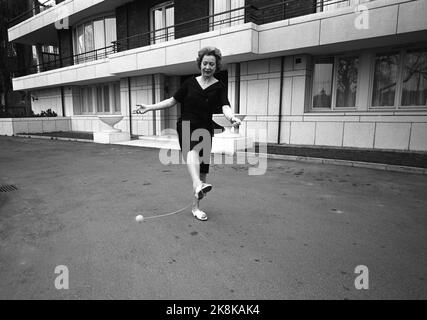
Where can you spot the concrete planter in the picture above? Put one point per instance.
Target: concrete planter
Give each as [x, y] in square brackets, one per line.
[13, 126]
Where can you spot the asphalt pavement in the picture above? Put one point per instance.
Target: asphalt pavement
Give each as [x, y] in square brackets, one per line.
[299, 231]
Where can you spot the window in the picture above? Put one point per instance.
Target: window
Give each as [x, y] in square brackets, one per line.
[86, 102]
[162, 22]
[385, 79]
[106, 98]
[322, 83]
[414, 89]
[400, 79]
[347, 73]
[94, 35]
[335, 82]
[231, 17]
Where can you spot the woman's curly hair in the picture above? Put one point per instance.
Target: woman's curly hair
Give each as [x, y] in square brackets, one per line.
[210, 51]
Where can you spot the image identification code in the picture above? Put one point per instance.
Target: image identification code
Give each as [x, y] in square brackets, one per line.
[224, 309]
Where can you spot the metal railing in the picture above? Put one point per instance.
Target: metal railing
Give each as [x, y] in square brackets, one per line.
[287, 9]
[59, 62]
[284, 9]
[36, 9]
[191, 27]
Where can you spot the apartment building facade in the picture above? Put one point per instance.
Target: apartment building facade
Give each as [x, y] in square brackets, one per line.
[340, 73]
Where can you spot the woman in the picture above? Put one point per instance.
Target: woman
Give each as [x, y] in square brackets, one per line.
[200, 97]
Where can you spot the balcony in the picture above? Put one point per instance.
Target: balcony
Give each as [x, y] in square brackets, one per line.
[254, 33]
[38, 26]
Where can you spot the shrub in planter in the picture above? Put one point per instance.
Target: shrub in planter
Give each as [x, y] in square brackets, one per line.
[47, 113]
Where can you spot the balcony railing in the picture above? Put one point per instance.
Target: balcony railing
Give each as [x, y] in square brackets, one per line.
[192, 27]
[36, 9]
[56, 62]
[284, 9]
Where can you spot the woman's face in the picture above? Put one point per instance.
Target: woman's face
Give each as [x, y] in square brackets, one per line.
[208, 66]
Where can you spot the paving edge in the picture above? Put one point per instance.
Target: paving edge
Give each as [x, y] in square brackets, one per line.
[51, 138]
[348, 163]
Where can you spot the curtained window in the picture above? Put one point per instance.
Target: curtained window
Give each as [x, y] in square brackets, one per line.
[385, 79]
[91, 39]
[162, 22]
[322, 83]
[347, 73]
[335, 82]
[228, 19]
[100, 99]
[414, 88]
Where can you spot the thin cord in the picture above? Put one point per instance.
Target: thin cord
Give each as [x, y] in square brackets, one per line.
[169, 214]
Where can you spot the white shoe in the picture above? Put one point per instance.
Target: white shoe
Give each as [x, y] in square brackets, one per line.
[199, 214]
[202, 190]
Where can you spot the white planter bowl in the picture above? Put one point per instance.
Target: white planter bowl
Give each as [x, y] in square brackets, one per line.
[111, 121]
[223, 122]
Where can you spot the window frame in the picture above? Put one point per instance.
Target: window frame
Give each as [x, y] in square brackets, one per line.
[401, 52]
[335, 60]
[112, 98]
[164, 5]
[229, 15]
[82, 23]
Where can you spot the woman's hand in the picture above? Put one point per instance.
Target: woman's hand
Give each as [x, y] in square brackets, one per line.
[235, 122]
[142, 108]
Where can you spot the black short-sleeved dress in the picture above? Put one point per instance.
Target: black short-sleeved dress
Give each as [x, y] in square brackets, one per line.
[197, 107]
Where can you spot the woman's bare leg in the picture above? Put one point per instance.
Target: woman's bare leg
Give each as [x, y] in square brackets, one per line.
[193, 166]
[196, 201]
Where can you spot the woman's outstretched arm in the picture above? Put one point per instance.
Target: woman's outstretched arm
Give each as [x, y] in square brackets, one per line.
[143, 108]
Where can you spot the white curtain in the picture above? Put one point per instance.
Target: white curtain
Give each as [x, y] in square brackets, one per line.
[322, 84]
[99, 34]
[89, 42]
[116, 96]
[157, 25]
[110, 31]
[86, 99]
[238, 16]
[170, 21]
[219, 6]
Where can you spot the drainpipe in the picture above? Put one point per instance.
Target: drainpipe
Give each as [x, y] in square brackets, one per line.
[282, 67]
[63, 101]
[237, 89]
[153, 97]
[130, 107]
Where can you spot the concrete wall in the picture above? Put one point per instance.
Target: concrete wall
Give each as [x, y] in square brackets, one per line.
[13, 126]
[185, 11]
[47, 99]
[145, 91]
[49, 17]
[259, 100]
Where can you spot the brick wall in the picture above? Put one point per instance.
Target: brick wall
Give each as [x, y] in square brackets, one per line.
[288, 9]
[186, 10]
[133, 20]
[65, 47]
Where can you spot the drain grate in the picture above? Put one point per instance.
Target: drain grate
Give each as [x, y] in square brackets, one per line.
[8, 188]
